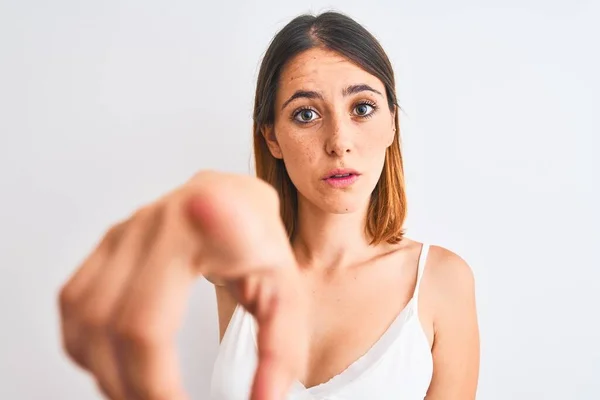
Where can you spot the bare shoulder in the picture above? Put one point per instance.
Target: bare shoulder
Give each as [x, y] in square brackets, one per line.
[450, 288]
[448, 275]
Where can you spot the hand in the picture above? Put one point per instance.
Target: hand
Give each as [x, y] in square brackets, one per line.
[121, 309]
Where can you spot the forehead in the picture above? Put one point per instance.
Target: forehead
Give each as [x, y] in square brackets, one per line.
[323, 70]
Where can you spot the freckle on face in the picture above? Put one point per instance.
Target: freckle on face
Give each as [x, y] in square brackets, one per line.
[303, 147]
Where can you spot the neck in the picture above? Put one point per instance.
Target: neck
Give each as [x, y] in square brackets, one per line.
[327, 240]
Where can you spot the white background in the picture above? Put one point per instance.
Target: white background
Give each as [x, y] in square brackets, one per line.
[106, 105]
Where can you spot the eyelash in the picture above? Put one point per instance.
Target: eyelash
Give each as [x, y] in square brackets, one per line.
[370, 103]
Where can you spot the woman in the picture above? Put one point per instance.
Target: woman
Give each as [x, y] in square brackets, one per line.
[345, 305]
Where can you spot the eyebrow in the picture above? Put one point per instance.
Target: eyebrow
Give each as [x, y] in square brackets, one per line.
[311, 94]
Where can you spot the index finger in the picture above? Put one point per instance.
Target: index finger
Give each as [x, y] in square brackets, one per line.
[282, 337]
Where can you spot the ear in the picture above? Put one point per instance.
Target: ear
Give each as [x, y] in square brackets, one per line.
[268, 133]
[393, 127]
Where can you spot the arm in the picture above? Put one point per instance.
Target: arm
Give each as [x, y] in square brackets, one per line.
[456, 333]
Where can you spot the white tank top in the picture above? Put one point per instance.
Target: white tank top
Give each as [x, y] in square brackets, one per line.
[398, 366]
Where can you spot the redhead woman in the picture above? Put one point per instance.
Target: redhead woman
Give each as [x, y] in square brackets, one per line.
[320, 294]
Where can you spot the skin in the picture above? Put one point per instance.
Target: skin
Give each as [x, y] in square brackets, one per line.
[344, 268]
[121, 309]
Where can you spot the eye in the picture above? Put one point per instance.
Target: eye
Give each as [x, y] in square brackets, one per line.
[305, 115]
[364, 109]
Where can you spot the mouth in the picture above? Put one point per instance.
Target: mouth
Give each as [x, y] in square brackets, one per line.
[341, 178]
[340, 174]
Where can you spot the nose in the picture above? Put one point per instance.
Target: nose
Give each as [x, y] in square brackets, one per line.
[339, 138]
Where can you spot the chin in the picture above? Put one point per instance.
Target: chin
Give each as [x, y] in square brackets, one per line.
[342, 206]
[337, 201]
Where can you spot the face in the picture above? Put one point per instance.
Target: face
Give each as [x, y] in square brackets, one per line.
[332, 128]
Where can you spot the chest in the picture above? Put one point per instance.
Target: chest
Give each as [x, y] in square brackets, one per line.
[350, 313]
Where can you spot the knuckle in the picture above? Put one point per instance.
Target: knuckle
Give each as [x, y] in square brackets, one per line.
[105, 390]
[150, 390]
[94, 321]
[75, 354]
[67, 299]
[127, 334]
[143, 214]
[143, 222]
[147, 388]
[151, 218]
[115, 231]
[169, 208]
[110, 240]
[74, 347]
[110, 390]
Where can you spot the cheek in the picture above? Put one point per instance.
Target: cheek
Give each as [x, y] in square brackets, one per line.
[299, 151]
[373, 151]
[377, 140]
[300, 156]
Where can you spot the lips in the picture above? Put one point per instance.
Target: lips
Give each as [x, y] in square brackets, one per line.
[340, 173]
[341, 178]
